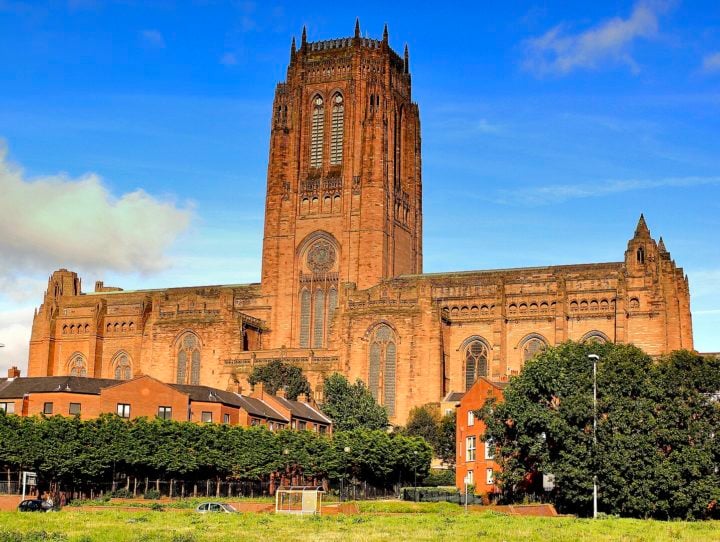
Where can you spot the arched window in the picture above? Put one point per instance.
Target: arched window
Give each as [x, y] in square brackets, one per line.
[317, 133]
[641, 255]
[336, 133]
[532, 347]
[304, 318]
[332, 304]
[188, 354]
[122, 368]
[78, 367]
[318, 318]
[476, 362]
[382, 366]
[595, 337]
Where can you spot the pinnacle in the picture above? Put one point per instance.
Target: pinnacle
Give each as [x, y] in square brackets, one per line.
[641, 230]
[357, 27]
[661, 245]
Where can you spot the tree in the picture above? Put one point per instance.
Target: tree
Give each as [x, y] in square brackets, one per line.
[656, 449]
[439, 432]
[276, 375]
[351, 406]
[445, 447]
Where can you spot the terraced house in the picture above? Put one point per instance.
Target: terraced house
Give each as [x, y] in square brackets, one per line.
[342, 285]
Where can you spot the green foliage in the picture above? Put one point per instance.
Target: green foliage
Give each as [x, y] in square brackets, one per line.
[151, 494]
[656, 449]
[352, 406]
[439, 432]
[91, 451]
[440, 477]
[278, 375]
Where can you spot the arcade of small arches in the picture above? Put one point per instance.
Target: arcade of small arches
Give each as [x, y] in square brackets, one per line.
[75, 329]
[119, 327]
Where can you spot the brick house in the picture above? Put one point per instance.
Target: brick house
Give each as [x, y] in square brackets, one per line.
[474, 457]
[146, 396]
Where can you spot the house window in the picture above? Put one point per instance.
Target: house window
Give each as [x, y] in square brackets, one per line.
[165, 413]
[302, 425]
[74, 409]
[47, 408]
[489, 449]
[470, 449]
[226, 418]
[381, 375]
[317, 132]
[123, 410]
[254, 422]
[489, 477]
[471, 418]
[7, 408]
[322, 429]
[206, 417]
[476, 362]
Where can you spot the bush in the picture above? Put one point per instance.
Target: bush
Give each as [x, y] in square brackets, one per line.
[122, 493]
[438, 477]
[153, 494]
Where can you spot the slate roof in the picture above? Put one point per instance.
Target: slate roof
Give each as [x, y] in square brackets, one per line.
[16, 388]
[303, 410]
[256, 407]
[207, 394]
[454, 396]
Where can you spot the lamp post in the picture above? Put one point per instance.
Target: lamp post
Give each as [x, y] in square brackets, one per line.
[595, 358]
[286, 452]
[415, 474]
[347, 450]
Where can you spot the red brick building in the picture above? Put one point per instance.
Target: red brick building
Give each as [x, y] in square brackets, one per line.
[144, 396]
[342, 287]
[475, 458]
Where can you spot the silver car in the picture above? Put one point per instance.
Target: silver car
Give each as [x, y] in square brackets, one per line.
[212, 507]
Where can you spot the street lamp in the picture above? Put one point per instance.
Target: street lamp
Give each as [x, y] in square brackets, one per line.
[415, 473]
[342, 478]
[286, 452]
[595, 358]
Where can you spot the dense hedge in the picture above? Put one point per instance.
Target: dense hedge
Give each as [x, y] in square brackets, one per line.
[71, 451]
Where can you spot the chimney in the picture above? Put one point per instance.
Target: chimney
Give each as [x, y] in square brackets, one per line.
[280, 393]
[258, 391]
[303, 398]
[13, 372]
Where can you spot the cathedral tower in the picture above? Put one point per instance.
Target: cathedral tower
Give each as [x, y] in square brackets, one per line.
[344, 192]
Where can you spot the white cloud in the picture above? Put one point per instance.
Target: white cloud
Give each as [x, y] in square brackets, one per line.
[558, 193]
[711, 63]
[153, 38]
[560, 52]
[56, 221]
[15, 328]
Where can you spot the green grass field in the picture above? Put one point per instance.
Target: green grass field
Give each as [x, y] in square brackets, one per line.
[387, 521]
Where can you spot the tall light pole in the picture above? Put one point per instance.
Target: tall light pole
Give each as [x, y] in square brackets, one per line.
[415, 473]
[347, 450]
[595, 358]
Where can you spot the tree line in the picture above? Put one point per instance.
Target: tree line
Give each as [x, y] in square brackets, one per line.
[657, 446]
[77, 453]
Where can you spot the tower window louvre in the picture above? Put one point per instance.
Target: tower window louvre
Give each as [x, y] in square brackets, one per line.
[317, 133]
[337, 128]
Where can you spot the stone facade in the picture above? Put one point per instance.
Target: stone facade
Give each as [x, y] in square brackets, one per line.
[342, 287]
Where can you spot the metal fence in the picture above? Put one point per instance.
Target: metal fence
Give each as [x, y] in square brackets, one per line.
[433, 494]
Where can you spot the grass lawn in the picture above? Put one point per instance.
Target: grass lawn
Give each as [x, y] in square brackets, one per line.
[386, 521]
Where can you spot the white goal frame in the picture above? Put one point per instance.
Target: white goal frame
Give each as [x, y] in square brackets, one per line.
[299, 500]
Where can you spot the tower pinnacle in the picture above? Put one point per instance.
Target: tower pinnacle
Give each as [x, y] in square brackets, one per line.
[357, 27]
[642, 230]
[385, 34]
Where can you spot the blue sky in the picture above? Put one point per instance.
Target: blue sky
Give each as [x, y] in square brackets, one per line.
[136, 137]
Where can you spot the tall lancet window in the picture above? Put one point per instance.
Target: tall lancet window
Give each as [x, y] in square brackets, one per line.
[317, 133]
[318, 292]
[188, 366]
[476, 362]
[382, 364]
[336, 134]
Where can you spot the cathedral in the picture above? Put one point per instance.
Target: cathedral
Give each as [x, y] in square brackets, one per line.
[342, 286]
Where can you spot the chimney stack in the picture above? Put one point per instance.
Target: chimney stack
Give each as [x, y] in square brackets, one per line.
[13, 372]
[280, 393]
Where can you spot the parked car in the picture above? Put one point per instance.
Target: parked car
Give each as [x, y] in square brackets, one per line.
[211, 507]
[34, 505]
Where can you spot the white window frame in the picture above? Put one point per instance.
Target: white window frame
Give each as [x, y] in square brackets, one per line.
[489, 449]
[470, 477]
[470, 448]
[204, 415]
[123, 410]
[489, 477]
[8, 408]
[471, 418]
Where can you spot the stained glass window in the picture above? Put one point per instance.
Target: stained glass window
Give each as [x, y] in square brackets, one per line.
[476, 362]
[122, 368]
